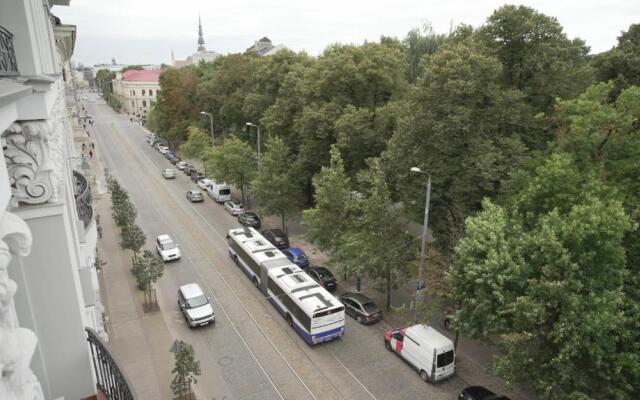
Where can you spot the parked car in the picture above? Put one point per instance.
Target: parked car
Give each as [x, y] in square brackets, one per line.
[479, 393]
[204, 183]
[277, 238]
[195, 196]
[297, 256]
[220, 192]
[249, 219]
[195, 305]
[188, 170]
[167, 248]
[196, 176]
[427, 350]
[361, 308]
[169, 155]
[168, 173]
[181, 165]
[163, 149]
[323, 276]
[233, 207]
[174, 160]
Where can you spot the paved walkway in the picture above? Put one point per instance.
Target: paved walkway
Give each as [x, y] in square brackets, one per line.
[139, 342]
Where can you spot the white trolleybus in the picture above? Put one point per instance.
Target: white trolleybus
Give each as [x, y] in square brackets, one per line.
[313, 312]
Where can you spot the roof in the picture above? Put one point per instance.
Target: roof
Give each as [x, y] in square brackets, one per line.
[359, 297]
[427, 334]
[265, 40]
[191, 290]
[259, 248]
[142, 76]
[295, 251]
[165, 238]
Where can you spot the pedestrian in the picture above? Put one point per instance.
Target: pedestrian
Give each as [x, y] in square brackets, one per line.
[90, 153]
[83, 146]
[93, 145]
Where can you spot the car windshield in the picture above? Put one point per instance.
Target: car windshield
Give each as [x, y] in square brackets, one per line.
[197, 301]
[325, 274]
[301, 258]
[250, 217]
[168, 246]
[370, 308]
[225, 192]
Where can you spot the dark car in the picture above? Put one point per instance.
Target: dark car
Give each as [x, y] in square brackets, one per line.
[323, 276]
[249, 219]
[277, 237]
[169, 155]
[480, 393]
[188, 170]
[361, 308]
[196, 176]
[174, 160]
[297, 256]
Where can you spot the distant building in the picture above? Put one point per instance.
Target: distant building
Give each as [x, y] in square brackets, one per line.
[202, 54]
[264, 47]
[137, 90]
[109, 67]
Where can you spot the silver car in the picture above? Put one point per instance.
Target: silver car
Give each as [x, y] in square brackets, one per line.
[168, 173]
[195, 196]
[234, 207]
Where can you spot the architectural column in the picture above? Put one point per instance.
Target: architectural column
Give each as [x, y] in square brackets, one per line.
[17, 345]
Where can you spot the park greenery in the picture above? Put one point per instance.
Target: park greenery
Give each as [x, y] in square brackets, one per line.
[532, 145]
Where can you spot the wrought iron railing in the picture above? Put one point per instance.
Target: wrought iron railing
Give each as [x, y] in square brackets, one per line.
[83, 198]
[8, 62]
[111, 380]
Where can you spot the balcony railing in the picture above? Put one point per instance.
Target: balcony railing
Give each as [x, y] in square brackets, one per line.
[83, 198]
[8, 62]
[111, 380]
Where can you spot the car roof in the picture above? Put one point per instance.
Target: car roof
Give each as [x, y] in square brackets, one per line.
[250, 214]
[276, 231]
[295, 251]
[359, 297]
[195, 191]
[479, 392]
[165, 238]
[191, 290]
[320, 269]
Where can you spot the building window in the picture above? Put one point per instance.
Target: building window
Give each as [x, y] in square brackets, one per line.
[144, 103]
[143, 92]
[150, 92]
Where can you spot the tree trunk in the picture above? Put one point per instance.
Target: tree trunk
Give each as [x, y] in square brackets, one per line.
[242, 187]
[389, 290]
[204, 167]
[283, 226]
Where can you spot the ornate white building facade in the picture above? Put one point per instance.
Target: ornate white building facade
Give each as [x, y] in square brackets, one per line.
[51, 322]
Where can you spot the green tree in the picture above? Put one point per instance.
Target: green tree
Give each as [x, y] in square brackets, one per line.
[148, 269]
[330, 213]
[461, 125]
[530, 275]
[375, 242]
[420, 42]
[186, 369]
[622, 63]
[132, 68]
[275, 187]
[132, 238]
[536, 55]
[233, 162]
[197, 146]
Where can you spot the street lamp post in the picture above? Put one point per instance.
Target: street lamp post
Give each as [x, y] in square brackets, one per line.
[249, 124]
[421, 285]
[213, 143]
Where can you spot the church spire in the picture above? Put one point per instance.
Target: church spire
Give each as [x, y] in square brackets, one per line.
[200, 37]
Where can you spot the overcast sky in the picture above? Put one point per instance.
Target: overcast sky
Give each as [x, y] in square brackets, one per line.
[145, 31]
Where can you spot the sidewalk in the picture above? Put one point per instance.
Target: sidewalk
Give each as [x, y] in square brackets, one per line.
[139, 342]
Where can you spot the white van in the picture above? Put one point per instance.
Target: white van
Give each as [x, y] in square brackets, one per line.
[427, 350]
[220, 192]
[195, 305]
